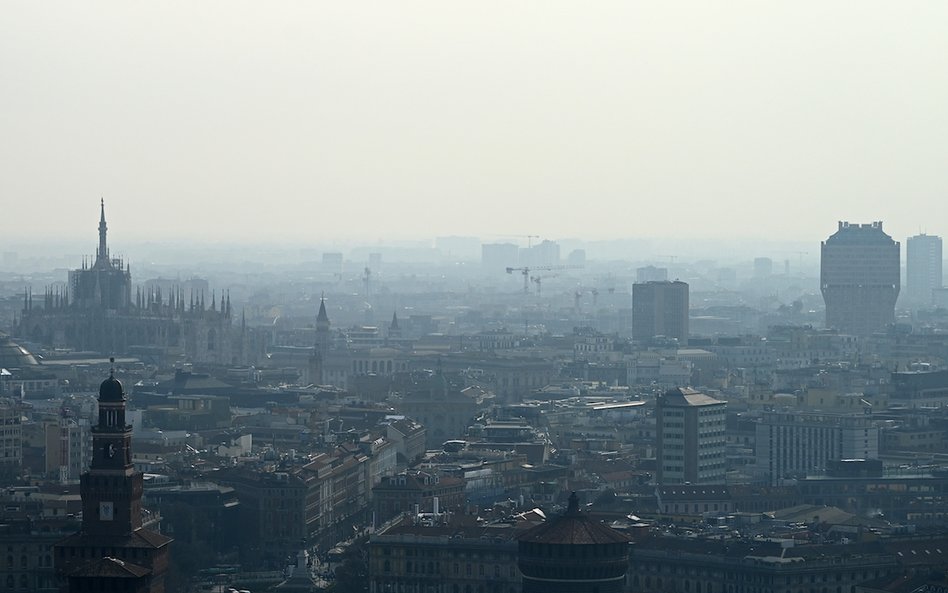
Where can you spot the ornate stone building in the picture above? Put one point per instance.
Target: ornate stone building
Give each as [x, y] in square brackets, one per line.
[98, 312]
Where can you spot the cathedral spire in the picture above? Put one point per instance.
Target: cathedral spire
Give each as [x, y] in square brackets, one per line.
[103, 253]
[321, 317]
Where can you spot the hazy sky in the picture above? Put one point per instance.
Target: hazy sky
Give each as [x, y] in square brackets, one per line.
[360, 120]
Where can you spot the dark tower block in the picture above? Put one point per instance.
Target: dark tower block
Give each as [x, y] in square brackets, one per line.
[573, 554]
[113, 551]
[859, 278]
[660, 309]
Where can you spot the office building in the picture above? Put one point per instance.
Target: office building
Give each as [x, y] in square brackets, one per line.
[660, 309]
[797, 444]
[763, 267]
[859, 278]
[923, 272]
[690, 432]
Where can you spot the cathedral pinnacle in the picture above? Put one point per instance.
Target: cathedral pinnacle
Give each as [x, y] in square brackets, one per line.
[103, 254]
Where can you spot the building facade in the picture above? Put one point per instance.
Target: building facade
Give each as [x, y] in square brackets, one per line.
[660, 309]
[690, 434]
[796, 444]
[923, 268]
[99, 312]
[859, 278]
[450, 556]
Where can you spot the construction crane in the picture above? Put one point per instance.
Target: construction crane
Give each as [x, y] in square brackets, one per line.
[538, 280]
[592, 291]
[526, 273]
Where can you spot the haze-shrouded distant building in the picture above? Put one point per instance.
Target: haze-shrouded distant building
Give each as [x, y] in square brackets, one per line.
[544, 253]
[923, 271]
[691, 443]
[660, 309]
[859, 278]
[763, 267]
[651, 274]
[98, 312]
[496, 257]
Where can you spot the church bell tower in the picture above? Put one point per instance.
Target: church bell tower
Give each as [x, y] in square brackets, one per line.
[113, 551]
[111, 489]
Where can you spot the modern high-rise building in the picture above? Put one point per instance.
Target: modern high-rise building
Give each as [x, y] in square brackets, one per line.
[690, 432]
[660, 309]
[923, 272]
[763, 267]
[859, 278]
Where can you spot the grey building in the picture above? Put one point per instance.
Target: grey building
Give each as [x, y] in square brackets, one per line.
[660, 308]
[859, 278]
[794, 444]
[691, 442]
[923, 271]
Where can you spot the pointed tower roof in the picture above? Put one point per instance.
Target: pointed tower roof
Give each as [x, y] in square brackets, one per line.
[102, 255]
[322, 316]
[394, 324]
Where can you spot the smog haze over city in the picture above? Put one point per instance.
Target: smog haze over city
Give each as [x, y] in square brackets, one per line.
[496, 297]
[246, 122]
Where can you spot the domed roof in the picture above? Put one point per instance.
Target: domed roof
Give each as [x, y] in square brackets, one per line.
[111, 390]
[14, 356]
[573, 528]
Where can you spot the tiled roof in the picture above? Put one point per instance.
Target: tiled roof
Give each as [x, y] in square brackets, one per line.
[574, 527]
[112, 568]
